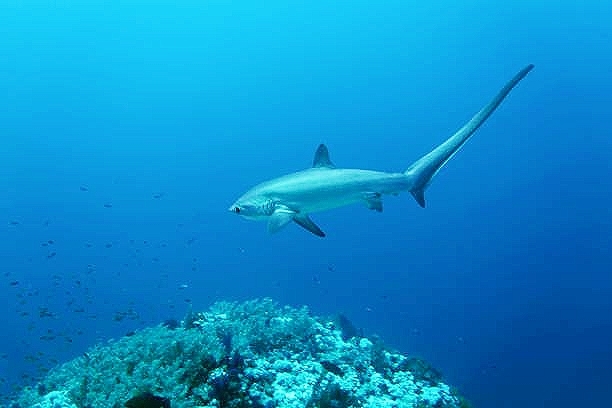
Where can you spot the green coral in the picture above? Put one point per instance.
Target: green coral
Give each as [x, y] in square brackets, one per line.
[253, 354]
[333, 396]
[55, 399]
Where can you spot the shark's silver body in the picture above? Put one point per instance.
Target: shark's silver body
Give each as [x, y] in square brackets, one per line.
[294, 196]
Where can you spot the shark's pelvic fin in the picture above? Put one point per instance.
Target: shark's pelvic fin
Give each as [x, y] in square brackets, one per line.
[321, 158]
[424, 169]
[374, 201]
[305, 222]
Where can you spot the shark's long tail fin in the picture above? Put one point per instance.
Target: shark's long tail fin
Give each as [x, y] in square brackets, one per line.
[424, 169]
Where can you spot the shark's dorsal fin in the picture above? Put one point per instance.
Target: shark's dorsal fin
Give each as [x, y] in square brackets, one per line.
[321, 158]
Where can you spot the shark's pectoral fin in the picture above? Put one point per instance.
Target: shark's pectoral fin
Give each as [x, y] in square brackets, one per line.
[374, 201]
[305, 222]
[279, 219]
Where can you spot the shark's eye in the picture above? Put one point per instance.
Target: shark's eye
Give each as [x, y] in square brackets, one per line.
[237, 210]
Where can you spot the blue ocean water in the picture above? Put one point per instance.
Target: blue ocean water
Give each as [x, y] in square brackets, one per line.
[128, 129]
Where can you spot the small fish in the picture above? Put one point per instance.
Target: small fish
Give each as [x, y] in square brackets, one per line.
[83, 188]
[108, 205]
[45, 312]
[47, 337]
[332, 368]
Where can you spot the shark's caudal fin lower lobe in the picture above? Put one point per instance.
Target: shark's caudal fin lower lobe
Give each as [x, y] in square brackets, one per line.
[424, 169]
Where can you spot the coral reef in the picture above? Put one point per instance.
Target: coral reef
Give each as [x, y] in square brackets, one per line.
[252, 354]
